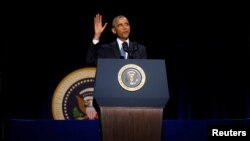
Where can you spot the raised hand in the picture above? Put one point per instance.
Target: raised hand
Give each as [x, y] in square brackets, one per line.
[98, 26]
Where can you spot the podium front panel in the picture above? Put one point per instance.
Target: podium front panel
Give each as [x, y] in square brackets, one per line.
[109, 92]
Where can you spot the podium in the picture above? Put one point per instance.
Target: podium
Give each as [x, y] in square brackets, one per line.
[131, 95]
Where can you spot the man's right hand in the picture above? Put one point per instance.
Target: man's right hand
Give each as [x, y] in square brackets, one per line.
[98, 26]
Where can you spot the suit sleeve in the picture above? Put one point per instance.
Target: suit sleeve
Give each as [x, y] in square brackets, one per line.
[144, 53]
[91, 56]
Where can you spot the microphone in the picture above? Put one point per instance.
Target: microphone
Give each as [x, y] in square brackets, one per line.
[126, 49]
[130, 50]
[135, 46]
[125, 46]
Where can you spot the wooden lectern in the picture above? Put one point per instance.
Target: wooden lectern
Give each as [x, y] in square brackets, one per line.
[131, 95]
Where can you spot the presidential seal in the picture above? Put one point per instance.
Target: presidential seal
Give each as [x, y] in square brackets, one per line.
[131, 77]
[73, 95]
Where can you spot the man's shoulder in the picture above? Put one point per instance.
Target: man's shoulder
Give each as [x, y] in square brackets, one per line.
[139, 45]
[108, 45]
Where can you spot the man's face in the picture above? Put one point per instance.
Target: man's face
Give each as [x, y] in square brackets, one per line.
[122, 28]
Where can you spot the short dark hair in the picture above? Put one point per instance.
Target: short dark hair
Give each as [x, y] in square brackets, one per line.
[117, 17]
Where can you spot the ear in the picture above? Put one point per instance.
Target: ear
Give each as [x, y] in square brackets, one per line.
[113, 30]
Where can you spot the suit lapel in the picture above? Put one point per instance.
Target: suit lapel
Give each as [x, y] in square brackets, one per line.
[116, 49]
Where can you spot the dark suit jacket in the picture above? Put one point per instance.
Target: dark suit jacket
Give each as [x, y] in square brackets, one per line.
[111, 50]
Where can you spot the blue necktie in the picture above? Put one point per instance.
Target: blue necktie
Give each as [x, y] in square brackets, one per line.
[122, 52]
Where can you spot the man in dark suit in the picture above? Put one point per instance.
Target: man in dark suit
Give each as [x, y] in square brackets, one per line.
[115, 49]
[121, 48]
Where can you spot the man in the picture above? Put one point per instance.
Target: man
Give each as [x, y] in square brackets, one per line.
[121, 28]
[121, 48]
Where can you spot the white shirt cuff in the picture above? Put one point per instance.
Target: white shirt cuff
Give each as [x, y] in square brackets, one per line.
[95, 41]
